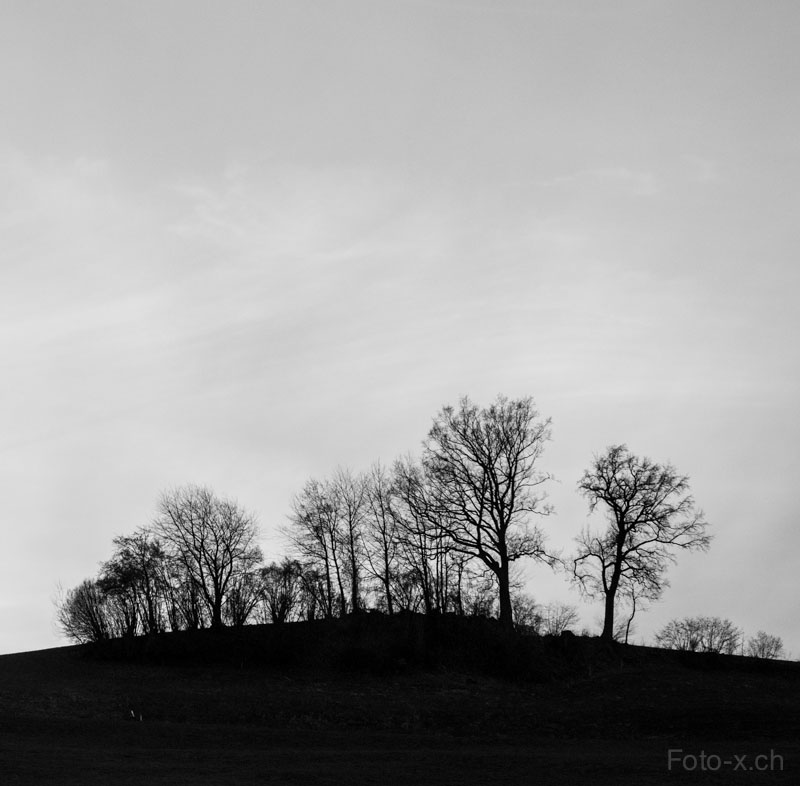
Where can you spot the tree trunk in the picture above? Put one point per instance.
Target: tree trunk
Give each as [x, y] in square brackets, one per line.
[216, 619]
[389, 602]
[387, 581]
[608, 619]
[426, 590]
[328, 589]
[613, 586]
[504, 587]
[355, 600]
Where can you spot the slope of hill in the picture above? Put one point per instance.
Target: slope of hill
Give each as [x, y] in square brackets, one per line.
[389, 701]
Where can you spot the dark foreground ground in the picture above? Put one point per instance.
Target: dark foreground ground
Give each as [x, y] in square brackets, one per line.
[65, 718]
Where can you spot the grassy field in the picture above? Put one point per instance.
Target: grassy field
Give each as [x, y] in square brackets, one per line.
[584, 714]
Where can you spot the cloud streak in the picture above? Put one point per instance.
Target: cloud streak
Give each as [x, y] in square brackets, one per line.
[614, 179]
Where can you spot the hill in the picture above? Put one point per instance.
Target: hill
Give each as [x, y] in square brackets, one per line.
[379, 701]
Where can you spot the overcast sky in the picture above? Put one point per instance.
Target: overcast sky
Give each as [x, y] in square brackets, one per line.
[242, 243]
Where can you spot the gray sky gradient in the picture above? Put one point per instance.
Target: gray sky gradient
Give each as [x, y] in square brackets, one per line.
[243, 243]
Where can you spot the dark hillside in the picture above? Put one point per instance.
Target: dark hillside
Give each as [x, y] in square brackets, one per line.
[326, 704]
[374, 644]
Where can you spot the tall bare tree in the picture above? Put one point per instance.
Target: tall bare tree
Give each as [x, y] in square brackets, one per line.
[427, 560]
[483, 466]
[381, 537]
[350, 493]
[315, 533]
[650, 516]
[134, 578]
[212, 539]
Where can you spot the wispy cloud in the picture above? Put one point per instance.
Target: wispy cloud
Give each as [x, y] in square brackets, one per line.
[610, 178]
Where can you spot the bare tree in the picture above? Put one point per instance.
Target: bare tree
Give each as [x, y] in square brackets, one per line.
[381, 536]
[414, 525]
[527, 613]
[186, 609]
[350, 492]
[133, 579]
[700, 634]
[314, 601]
[763, 645]
[212, 539]
[315, 533]
[650, 516]
[431, 570]
[244, 594]
[473, 591]
[483, 465]
[82, 613]
[281, 590]
[558, 617]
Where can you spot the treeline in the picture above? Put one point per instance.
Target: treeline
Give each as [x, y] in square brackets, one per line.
[717, 635]
[440, 533]
[443, 532]
[358, 547]
[193, 567]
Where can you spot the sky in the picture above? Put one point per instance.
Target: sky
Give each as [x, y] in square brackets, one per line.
[244, 243]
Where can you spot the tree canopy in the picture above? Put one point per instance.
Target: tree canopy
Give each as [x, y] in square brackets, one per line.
[649, 517]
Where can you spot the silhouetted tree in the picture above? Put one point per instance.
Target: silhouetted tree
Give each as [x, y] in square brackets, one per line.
[527, 614]
[282, 590]
[316, 535]
[483, 467]
[650, 516]
[212, 539]
[763, 645]
[431, 569]
[381, 536]
[244, 594]
[558, 617]
[414, 526]
[350, 493]
[473, 591]
[82, 613]
[315, 600]
[120, 606]
[700, 634]
[186, 609]
[134, 579]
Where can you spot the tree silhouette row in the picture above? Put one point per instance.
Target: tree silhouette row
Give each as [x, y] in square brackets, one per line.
[442, 532]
